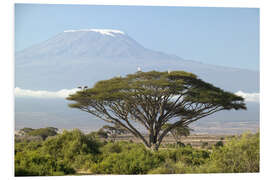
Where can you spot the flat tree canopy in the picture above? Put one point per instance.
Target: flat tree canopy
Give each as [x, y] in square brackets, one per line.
[153, 99]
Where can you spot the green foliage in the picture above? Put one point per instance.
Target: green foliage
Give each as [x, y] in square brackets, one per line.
[27, 146]
[170, 167]
[181, 160]
[70, 144]
[126, 158]
[26, 130]
[42, 132]
[219, 144]
[61, 154]
[238, 155]
[187, 155]
[33, 163]
[74, 151]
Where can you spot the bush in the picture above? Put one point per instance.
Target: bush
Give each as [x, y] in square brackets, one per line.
[112, 148]
[219, 144]
[187, 155]
[27, 146]
[238, 155]
[170, 167]
[129, 158]
[36, 164]
[42, 132]
[61, 154]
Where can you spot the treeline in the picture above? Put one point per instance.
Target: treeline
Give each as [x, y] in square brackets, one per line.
[73, 152]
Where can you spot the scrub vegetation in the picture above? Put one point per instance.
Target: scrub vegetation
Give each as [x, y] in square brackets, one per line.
[73, 152]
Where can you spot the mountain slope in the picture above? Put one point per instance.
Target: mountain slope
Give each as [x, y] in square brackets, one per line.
[83, 57]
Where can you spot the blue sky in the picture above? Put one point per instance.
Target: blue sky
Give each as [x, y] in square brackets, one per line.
[221, 36]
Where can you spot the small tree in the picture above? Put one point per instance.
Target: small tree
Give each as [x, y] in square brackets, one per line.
[43, 132]
[102, 134]
[153, 99]
[26, 130]
[219, 144]
[113, 131]
[178, 131]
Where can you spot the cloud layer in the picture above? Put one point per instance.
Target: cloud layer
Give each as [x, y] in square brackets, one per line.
[249, 97]
[63, 93]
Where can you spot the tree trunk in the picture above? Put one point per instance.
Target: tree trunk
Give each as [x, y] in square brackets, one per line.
[154, 147]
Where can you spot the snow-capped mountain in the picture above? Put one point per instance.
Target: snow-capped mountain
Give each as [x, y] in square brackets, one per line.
[83, 57]
[89, 43]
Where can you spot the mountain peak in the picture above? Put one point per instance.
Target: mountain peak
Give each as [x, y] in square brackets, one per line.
[108, 32]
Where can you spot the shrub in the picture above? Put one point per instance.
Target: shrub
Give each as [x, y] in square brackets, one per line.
[43, 132]
[170, 167]
[130, 158]
[187, 155]
[61, 154]
[219, 144]
[237, 156]
[33, 163]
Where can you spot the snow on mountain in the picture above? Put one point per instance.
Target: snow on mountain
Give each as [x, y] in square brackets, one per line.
[88, 43]
[83, 57]
[109, 32]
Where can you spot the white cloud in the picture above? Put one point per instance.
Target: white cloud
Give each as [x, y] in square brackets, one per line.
[249, 97]
[63, 93]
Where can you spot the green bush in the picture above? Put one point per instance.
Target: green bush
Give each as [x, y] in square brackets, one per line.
[238, 155]
[112, 148]
[187, 155]
[33, 163]
[57, 155]
[27, 146]
[42, 132]
[129, 158]
[170, 167]
[219, 144]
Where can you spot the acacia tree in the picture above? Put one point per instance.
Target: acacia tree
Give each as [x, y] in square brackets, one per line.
[178, 131]
[153, 99]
